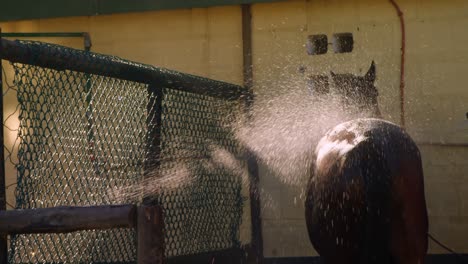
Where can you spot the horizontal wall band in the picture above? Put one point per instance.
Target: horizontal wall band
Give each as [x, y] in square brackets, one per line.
[34, 9]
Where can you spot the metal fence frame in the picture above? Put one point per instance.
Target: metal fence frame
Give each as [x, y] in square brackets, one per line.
[143, 217]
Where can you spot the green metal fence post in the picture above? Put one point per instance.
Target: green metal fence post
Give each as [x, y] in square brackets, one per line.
[3, 237]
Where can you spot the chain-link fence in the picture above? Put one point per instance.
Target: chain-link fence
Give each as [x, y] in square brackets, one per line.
[96, 130]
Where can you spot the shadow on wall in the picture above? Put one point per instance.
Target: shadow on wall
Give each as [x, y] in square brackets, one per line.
[430, 259]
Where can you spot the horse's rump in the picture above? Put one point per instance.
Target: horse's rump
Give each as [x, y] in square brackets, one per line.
[365, 198]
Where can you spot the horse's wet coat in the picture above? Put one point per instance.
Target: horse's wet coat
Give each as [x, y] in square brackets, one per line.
[365, 198]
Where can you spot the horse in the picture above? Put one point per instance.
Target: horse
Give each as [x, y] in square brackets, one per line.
[358, 92]
[365, 198]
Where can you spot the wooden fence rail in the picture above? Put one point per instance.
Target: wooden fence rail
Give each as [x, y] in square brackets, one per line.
[67, 219]
[147, 219]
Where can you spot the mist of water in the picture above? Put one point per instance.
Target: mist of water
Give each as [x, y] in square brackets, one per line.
[156, 182]
[285, 124]
[284, 130]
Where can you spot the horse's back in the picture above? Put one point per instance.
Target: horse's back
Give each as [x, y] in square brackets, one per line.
[365, 200]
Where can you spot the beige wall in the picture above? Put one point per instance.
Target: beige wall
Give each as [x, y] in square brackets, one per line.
[205, 41]
[208, 42]
[436, 96]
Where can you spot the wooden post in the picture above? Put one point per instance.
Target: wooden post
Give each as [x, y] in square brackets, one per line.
[255, 205]
[150, 225]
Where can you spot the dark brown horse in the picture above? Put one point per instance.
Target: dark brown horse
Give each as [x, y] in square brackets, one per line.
[358, 93]
[365, 198]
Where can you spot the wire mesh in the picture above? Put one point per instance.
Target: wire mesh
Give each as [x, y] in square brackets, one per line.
[75, 147]
[85, 139]
[191, 124]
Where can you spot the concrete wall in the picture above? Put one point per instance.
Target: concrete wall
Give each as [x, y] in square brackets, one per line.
[208, 42]
[200, 41]
[436, 96]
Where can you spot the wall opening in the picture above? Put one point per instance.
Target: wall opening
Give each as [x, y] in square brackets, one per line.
[317, 44]
[343, 42]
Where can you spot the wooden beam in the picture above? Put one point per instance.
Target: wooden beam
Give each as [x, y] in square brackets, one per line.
[150, 235]
[67, 219]
[252, 165]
